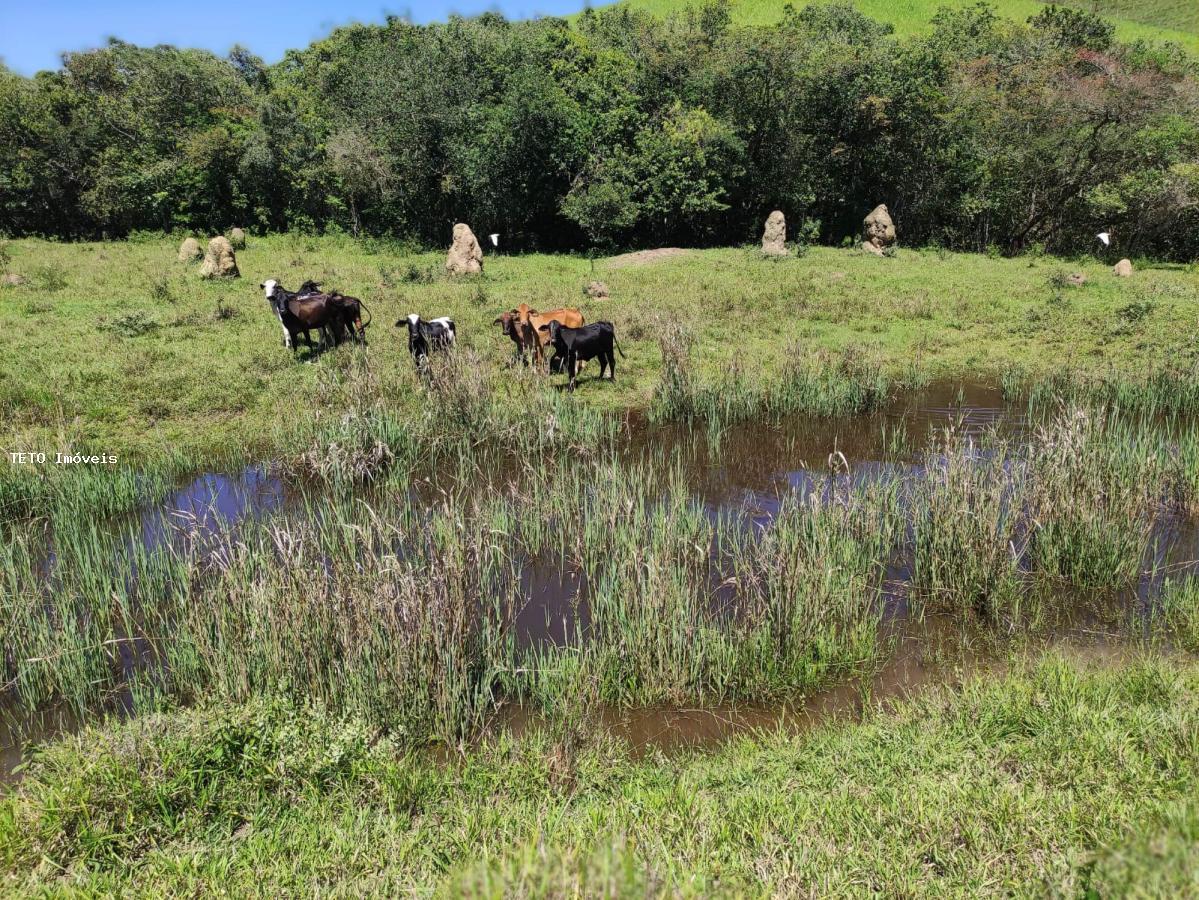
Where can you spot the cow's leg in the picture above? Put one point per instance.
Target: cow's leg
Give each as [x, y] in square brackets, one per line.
[570, 370]
[286, 333]
[611, 365]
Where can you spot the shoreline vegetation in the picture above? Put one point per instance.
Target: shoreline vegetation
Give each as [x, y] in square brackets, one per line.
[392, 584]
[1052, 778]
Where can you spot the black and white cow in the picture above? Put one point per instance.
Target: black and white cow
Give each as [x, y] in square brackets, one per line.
[574, 345]
[428, 337]
[299, 313]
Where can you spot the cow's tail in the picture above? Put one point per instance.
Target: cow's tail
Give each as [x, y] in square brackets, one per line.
[616, 344]
[361, 324]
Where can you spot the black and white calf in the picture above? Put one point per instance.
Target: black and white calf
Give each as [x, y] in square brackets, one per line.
[428, 337]
[575, 345]
[298, 314]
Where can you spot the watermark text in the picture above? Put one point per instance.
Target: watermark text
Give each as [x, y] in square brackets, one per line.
[40, 458]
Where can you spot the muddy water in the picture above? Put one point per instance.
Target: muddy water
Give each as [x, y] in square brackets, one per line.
[748, 460]
[754, 460]
[914, 664]
[933, 654]
[209, 503]
[746, 468]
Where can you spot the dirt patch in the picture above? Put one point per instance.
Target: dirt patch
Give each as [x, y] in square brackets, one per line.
[642, 257]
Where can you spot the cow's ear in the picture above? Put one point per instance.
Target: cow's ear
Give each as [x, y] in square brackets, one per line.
[543, 327]
[498, 320]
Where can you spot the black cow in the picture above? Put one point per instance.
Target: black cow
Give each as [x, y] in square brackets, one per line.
[575, 345]
[427, 337]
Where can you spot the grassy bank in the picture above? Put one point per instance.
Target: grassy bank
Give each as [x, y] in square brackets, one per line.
[1051, 780]
[1144, 20]
[116, 348]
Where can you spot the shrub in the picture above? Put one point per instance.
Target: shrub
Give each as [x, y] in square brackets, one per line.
[50, 278]
[131, 324]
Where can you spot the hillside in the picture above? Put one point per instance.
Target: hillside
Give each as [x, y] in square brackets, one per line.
[1169, 20]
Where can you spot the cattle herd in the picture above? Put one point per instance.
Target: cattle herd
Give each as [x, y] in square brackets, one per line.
[337, 317]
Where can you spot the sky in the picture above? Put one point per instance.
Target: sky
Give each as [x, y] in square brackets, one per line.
[34, 34]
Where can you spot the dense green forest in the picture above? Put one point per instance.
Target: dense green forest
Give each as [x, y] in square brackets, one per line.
[622, 129]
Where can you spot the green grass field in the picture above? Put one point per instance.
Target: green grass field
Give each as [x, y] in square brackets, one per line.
[1181, 15]
[1151, 20]
[117, 348]
[1057, 779]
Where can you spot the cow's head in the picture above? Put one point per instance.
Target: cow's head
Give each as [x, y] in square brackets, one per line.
[505, 321]
[268, 288]
[552, 327]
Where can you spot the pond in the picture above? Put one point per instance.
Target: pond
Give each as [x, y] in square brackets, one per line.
[745, 472]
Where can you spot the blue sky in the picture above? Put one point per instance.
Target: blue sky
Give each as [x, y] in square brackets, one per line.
[33, 34]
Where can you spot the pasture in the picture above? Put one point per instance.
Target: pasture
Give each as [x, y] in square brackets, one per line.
[117, 348]
[917, 534]
[1147, 20]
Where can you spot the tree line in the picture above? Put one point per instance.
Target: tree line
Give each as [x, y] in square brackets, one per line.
[621, 129]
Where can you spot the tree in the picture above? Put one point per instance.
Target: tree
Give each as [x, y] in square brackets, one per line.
[360, 170]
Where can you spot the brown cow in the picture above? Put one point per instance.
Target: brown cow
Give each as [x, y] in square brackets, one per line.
[510, 325]
[530, 322]
[350, 308]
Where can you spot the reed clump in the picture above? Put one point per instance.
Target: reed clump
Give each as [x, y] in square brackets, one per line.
[405, 611]
[1180, 612]
[1075, 508]
[817, 383]
[1164, 391]
[967, 532]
